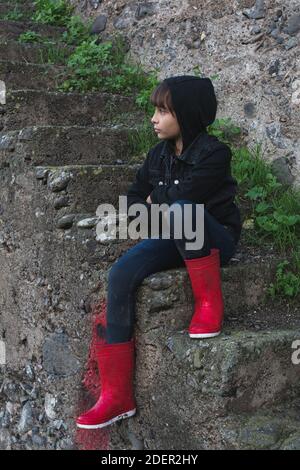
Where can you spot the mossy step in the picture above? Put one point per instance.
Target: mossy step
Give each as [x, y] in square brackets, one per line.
[25, 108]
[14, 3]
[54, 145]
[213, 387]
[18, 75]
[33, 53]
[26, 8]
[247, 369]
[168, 294]
[10, 29]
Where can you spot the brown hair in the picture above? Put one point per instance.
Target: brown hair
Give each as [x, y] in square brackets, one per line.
[161, 98]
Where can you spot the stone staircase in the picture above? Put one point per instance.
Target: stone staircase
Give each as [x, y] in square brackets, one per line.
[61, 155]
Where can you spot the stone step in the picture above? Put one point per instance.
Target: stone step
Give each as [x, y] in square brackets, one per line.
[26, 108]
[25, 8]
[245, 369]
[34, 53]
[65, 145]
[86, 186]
[18, 75]
[17, 2]
[244, 287]
[232, 392]
[12, 29]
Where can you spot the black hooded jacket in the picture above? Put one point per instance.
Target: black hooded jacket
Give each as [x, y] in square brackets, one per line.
[202, 172]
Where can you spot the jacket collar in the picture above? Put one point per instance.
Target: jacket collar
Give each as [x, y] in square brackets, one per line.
[188, 156]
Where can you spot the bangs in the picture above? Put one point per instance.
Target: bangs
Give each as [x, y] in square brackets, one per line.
[161, 97]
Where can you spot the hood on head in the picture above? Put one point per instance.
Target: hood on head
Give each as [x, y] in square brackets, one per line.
[194, 103]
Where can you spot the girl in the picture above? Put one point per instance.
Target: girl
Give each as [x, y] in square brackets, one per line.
[188, 167]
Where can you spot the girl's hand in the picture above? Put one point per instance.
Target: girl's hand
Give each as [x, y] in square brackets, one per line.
[149, 199]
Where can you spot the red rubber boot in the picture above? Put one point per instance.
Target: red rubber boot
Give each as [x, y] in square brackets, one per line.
[205, 276]
[116, 401]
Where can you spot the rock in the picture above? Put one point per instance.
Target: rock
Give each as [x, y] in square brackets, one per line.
[50, 403]
[58, 358]
[12, 391]
[293, 26]
[144, 9]
[41, 173]
[61, 201]
[29, 371]
[99, 24]
[58, 181]
[282, 171]
[88, 223]
[5, 419]
[256, 29]
[275, 32]
[292, 42]
[274, 68]
[66, 221]
[257, 12]
[5, 439]
[161, 301]
[292, 442]
[26, 419]
[7, 142]
[38, 441]
[95, 3]
[274, 134]
[64, 444]
[159, 282]
[126, 18]
[249, 110]
[260, 433]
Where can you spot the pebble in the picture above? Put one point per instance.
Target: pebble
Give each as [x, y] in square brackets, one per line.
[61, 201]
[26, 419]
[257, 12]
[144, 9]
[95, 3]
[58, 181]
[65, 221]
[293, 26]
[99, 24]
[292, 42]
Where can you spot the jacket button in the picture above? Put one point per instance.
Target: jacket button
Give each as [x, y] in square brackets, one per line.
[176, 181]
[160, 183]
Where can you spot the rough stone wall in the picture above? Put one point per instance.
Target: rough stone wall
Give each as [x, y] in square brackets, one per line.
[62, 154]
[252, 46]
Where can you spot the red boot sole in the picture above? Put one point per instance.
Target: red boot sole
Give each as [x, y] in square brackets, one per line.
[204, 335]
[128, 414]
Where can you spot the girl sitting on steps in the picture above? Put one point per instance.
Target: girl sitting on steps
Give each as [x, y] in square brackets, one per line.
[188, 167]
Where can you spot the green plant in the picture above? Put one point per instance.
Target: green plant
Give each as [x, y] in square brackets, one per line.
[77, 31]
[273, 215]
[30, 36]
[287, 282]
[14, 15]
[141, 140]
[224, 129]
[93, 66]
[53, 54]
[53, 12]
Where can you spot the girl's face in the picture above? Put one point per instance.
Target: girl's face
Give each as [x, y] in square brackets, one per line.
[165, 124]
